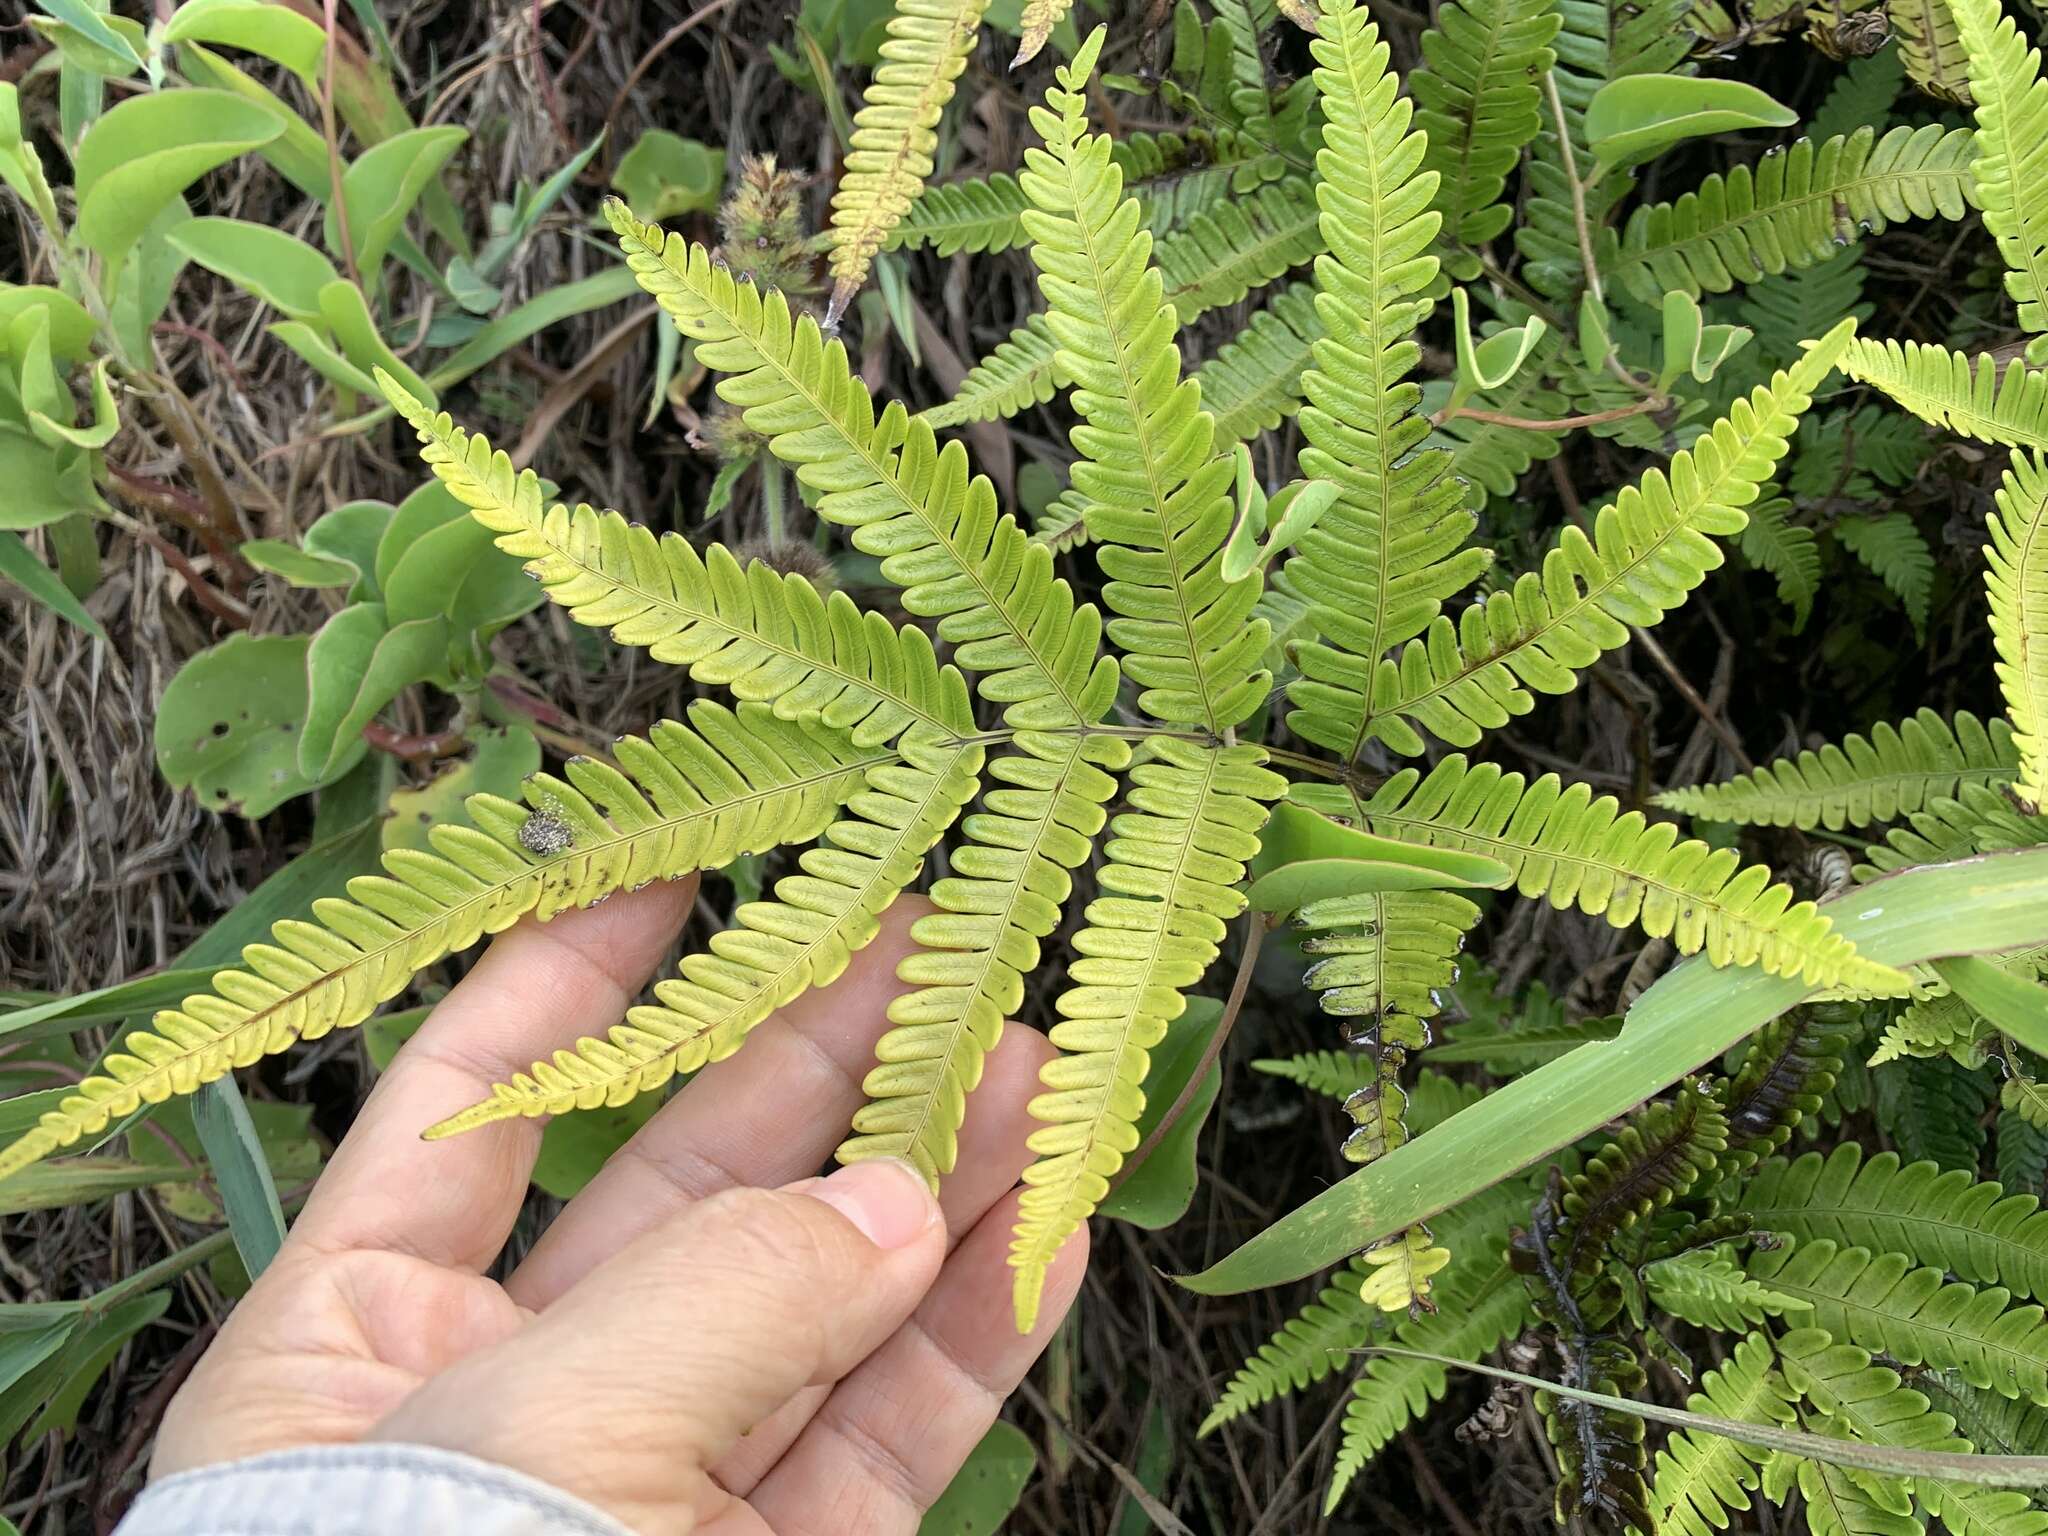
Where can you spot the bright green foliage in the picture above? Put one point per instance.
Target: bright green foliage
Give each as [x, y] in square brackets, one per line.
[1914, 1315]
[895, 132]
[1479, 103]
[1253, 383]
[1976, 397]
[1650, 548]
[1576, 850]
[1702, 1479]
[1891, 773]
[1380, 563]
[1308, 1347]
[1794, 210]
[2012, 138]
[2016, 578]
[1238, 246]
[1710, 1290]
[1017, 375]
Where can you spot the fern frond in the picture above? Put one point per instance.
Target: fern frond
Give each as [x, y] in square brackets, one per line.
[2001, 1426]
[768, 636]
[1010, 880]
[1788, 551]
[1934, 1110]
[1253, 382]
[2012, 136]
[1788, 308]
[1898, 554]
[906, 498]
[1378, 566]
[776, 950]
[895, 133]
[690, 797]
[1657, 1156]
[1479, 103]
[1174, 861]
[1702, 1479]
[1035, 26]
[1977, 819]
[1708, 1289]
[978, 215]
[1891, 773]
[1239, 246]
[1931, 48]
[1017, 375]
[1649, 549]
[1575, 850]
[1480, 1302]
[1973, 396]
[1158, 495]
[1948, 1220]
[2016, 579]
[1793, 209]
[1914, 1315]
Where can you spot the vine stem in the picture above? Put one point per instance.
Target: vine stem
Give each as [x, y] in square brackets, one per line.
[1571, 177]
[1255, 938]
[1554, 424]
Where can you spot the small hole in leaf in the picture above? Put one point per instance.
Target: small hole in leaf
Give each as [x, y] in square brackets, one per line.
[220, 727]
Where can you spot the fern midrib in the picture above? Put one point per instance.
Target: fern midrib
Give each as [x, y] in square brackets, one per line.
[884, 475]
[1618, 576]
[989, 956]
[1141, 426]
[442, 919]
[1046, 1245]
[1940, 70]
[1849, 192]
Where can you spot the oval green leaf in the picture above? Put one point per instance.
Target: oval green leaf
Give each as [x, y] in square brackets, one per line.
[149, 149]
[1638, 115]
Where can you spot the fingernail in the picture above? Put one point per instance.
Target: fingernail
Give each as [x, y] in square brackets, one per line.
[886, 1198]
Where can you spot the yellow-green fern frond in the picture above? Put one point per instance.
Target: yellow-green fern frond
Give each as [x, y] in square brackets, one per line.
[1793, 210]
[1977, 397]
[1892, 772]
[1931, 49]
[1575, 850]
[1649, 549]
[1157, 493]
[1036, 24]
[768, 636]
[1480, 104]
[1976, 819]
[1253, 382]
[778, 949]
[1378, 566]
[690, 797]
[1010, 881]
[942, 538]
[1017, 375]
[1702, 1479]
[1170, 881]
[2012, 151]
[895, 132]
[2016, 577]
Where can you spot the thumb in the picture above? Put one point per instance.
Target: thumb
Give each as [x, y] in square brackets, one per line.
[658, 1361]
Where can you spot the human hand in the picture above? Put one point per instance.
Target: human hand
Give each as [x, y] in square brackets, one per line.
[698, 1344]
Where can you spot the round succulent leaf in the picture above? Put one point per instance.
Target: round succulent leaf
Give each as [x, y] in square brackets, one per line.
[228, 725]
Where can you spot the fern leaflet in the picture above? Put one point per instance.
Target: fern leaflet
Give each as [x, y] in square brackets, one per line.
[2012, 139]
[2016, 578]
[1702, 1479]
[1976, 397]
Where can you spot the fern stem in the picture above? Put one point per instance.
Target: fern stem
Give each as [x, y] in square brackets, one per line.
[1555, 424]
[1578, 190]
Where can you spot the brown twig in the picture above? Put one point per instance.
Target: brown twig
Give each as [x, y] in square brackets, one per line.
[204, 592]
[662, 44]
[422, 748]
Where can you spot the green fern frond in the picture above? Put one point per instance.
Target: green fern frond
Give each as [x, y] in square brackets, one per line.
[1063, 524]
[978, 216]
[1787, 308]
[895, 133]
[906, 498]
[1891, 773]
[1973, 396]
[2000, 1426]
[2016, 579]
[1480, 1302]
[1017, 375]
[1010, 881]
[1788, 551]
[2012, 131]
[1708, 1289]
[1933, 1026]
[1309, 1346]
[1914, 1315]
[689, 797]
[1170, 879]
[1378, 566]
[1948, 1220]
[1478, 101]
[1158, 496]
[1931, 48]
[1575, 850]
[1649, 549]
[1492, 456]
[767, 636]
[1253, 382]
[1898, 554]
[776, 949]
[1978, 818]
[1934, 1110]
[1701, 1479]
[1239, 246]
[1793, 209]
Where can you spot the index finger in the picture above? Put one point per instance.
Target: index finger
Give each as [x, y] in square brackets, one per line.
[538, 986]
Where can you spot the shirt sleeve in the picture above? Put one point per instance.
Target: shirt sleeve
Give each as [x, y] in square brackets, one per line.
[361, 1490]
